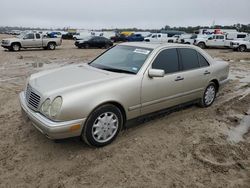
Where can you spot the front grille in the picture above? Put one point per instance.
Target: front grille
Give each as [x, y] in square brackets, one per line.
[4, 42]
[32, 98]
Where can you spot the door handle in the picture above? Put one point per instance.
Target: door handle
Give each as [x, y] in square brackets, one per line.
[206, 72]
[179, 78]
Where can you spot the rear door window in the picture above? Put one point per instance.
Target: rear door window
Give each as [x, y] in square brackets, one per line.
[38, 36]
[189, 58]
[167, 60]
[29, 36]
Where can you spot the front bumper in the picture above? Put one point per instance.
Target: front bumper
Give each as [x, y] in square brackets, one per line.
[5, 46]
[51, 129]
[234, 46]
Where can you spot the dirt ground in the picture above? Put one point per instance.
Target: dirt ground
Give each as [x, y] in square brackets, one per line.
[192, 147]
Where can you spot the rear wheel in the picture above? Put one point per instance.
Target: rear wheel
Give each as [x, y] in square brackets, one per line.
[15, 47]
[102, 126]
[202, 45]
[107, 46]
[209, 95]
[242, 48]
[86, 46]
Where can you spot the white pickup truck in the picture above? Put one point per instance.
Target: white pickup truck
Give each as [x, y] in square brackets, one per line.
[218, 40]
[157, 37]
[192, 38]
[31, 40]
[240, 45]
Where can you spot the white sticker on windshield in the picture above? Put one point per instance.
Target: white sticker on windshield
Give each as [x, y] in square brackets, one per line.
[142, 51]
[134, 68]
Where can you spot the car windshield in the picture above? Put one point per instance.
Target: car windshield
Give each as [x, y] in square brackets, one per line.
[124, 59]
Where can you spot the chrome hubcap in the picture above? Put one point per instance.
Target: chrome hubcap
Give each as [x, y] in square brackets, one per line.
[209, 95]
[105, 127]
[16, 47]
[52, 46]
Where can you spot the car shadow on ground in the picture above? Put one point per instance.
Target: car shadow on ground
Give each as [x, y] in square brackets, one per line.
[31, 50]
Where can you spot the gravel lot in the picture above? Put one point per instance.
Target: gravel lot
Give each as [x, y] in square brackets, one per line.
[192, 147]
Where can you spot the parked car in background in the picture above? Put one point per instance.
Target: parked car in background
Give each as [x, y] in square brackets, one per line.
[173, 39]
[193, 38]
[135, 38]
[95, 100]
[157, 37]
[68, 36]
[219, 40]
[94, 42]
[55, 34]
[81, 35]
[119, 38]
[182, 37]
[31, 40]
[240, 45]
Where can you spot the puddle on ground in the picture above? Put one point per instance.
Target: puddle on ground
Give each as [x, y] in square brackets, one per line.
[236, 134]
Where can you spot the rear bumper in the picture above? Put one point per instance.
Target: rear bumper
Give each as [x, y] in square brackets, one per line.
[51, 129]
[223, 82]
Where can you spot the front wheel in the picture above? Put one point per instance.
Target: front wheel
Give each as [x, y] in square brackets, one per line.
[242, 48]
[51, 46]
[102, 126]
[15, 47]
[208, 96]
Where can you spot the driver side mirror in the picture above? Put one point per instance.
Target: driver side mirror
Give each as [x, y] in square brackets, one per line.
[154, 73]
[210, 38]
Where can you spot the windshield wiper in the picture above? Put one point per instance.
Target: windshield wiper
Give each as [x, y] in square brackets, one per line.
[118, 70]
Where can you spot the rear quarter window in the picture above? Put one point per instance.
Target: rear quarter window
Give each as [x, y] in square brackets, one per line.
[202, 60]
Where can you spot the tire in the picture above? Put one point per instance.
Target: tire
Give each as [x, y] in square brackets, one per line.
[209, 95]
[187, 43]
[99, 131]
[201, 45]
[242, 48]
[107, 46]
[86, 46]
[51, 46]
[15, 47]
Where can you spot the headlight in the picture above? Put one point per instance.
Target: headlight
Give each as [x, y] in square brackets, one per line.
[51, 109]
[55, 106]
[45, 107]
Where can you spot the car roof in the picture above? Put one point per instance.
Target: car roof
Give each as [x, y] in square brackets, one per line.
[153, 45]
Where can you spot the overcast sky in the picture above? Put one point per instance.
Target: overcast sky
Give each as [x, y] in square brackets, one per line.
[97, 14]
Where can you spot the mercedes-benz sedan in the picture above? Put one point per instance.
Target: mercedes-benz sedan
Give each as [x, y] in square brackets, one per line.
[95, 100]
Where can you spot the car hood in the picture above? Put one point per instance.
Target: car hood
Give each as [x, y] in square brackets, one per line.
[61, 80]
[11, 39]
